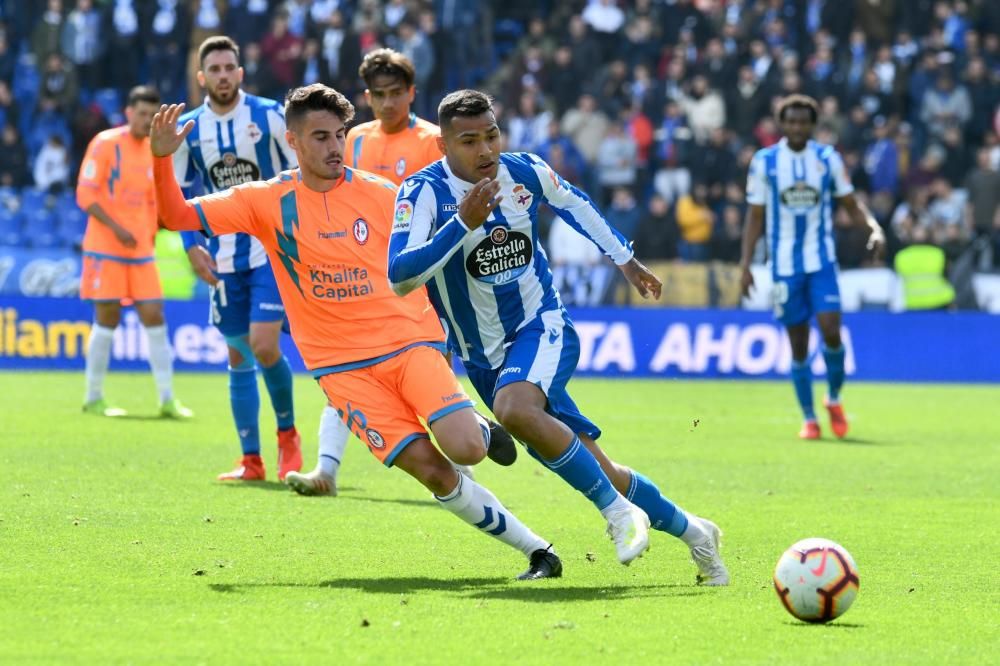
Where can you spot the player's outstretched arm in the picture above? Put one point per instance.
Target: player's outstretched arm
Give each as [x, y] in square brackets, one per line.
[643, 279]
[863, 217]
[172, 210]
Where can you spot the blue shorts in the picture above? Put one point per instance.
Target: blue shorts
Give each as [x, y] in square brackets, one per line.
[797, 298]
[244, 297]
[545, 352]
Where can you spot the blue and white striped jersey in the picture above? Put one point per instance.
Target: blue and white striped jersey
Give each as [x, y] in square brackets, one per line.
[797, 191]
[246, 144]
[488, 283]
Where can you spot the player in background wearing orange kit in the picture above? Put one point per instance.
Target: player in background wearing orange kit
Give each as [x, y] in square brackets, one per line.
[377, 357]
[116, 190]
[394, 145]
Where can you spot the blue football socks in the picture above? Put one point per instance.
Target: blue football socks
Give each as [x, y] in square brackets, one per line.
[245, 403]
[802, 379]
[663, 514]
[278, 379]
[579, 468]
[834, 370]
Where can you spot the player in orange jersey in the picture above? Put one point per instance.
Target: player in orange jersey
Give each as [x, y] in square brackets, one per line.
[394, 145]
[377, 357]
[116, 190]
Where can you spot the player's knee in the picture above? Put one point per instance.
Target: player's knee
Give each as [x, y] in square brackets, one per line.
[468, 450]
[266, 351]
[437, 475]
[516, 418]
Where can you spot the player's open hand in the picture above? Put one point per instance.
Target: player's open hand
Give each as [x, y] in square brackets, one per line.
[746, 281]
[164, 137]
[479, 202]
[642, 279]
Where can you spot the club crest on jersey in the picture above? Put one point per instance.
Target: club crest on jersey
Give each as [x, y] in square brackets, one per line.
[401, 167]
[522, 197]
[401, 220]
[375, 438]
[501, 257]
[360, 231]
[800, 197]
[254, 133]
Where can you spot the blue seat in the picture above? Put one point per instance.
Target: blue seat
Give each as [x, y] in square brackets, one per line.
[39, 227]
[110, 103]
[72, 226]
[10, 227]
[32, 199]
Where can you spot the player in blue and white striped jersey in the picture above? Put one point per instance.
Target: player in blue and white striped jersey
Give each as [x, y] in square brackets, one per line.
[240, 138]
[467, 227]
[791, 190]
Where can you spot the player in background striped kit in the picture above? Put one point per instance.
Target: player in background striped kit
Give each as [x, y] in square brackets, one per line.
[240, 138]
[791, 190]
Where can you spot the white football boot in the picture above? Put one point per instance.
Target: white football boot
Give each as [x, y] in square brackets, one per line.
[629, 529]
[705, 553]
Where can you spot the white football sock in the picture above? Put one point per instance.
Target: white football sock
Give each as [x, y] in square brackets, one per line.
[618, 504]
[478, 507]
[693, 534]
[333, 436]
[161, 361]
[98, 358]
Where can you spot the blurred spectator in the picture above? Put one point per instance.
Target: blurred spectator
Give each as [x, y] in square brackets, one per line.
[983, 187]
[584, 47]
[123, 38]
[586, 126]
[623, 214]
[612, 87]
[280, 49]
[881, 161]
[713, 162]
[657, 235]
[51, 170]
[728, 236]
[256, 75]
[340, 52]
[563, 156]
[605, 18]
[925, 171]
[82, 43]
[672, 178]
[957, 160]
[395, 13]
[247, 20]
[47, 33]
[59, 82]
[298, 16]
[564, 80]
[617, 160]
[8, 59]
[872, 98]
[9, 112]
[312, 71]
[695, 219]
[640, 46]
[414, 44]
[13, 158]
[746, 102]
[945, 105]
[984, 94]
[168, 33]
[528, 129]
[704, 108]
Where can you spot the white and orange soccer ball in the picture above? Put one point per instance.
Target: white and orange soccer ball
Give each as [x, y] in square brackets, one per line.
[816, 580]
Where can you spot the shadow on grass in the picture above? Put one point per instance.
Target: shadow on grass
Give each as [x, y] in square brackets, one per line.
[860, 441]
[828, 625]
[142, 417]
[256, 485]
[483, 588]
[383, 500]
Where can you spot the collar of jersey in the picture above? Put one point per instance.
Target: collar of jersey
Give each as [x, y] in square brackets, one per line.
[461, 181]
[783, 143]
[240, 99]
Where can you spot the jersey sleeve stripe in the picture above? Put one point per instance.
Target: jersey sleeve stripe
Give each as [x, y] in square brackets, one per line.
[203, 219]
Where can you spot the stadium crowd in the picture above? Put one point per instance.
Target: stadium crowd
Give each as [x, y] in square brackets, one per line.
[653, 106]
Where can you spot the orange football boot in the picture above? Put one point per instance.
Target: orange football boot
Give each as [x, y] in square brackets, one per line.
[838, 420]
[289, 452]
[251, 468]
[810, 430]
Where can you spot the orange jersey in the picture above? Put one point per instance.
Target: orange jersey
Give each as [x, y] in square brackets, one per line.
[330, 254]
[393, 156]
[117, 173]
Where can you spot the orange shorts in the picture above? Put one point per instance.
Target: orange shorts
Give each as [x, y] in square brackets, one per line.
[383, 404]
[111, 280]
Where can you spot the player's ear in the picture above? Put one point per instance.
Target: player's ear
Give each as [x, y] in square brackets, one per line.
[442, 146]
[368, 97]
[239, 75]
[291, 139]
[201, 78]
[412, 93]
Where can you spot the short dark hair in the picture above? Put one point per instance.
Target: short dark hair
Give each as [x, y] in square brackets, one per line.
[143, 94]
[798, 102]
[386, 62]
[217, 43]
[316, 97]
[464, 103]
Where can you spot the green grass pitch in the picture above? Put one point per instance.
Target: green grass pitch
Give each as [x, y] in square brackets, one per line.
[117, 545]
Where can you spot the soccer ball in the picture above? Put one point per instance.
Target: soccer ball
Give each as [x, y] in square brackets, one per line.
[816, 580]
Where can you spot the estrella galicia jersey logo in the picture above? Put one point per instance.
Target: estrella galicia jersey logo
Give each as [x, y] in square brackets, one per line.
[232, 170]
[501, 257]
[800, 197]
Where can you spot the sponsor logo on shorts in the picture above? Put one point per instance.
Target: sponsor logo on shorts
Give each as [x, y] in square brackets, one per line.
[508, 371]
[375, 438]
[273, 307]
[453, 397]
